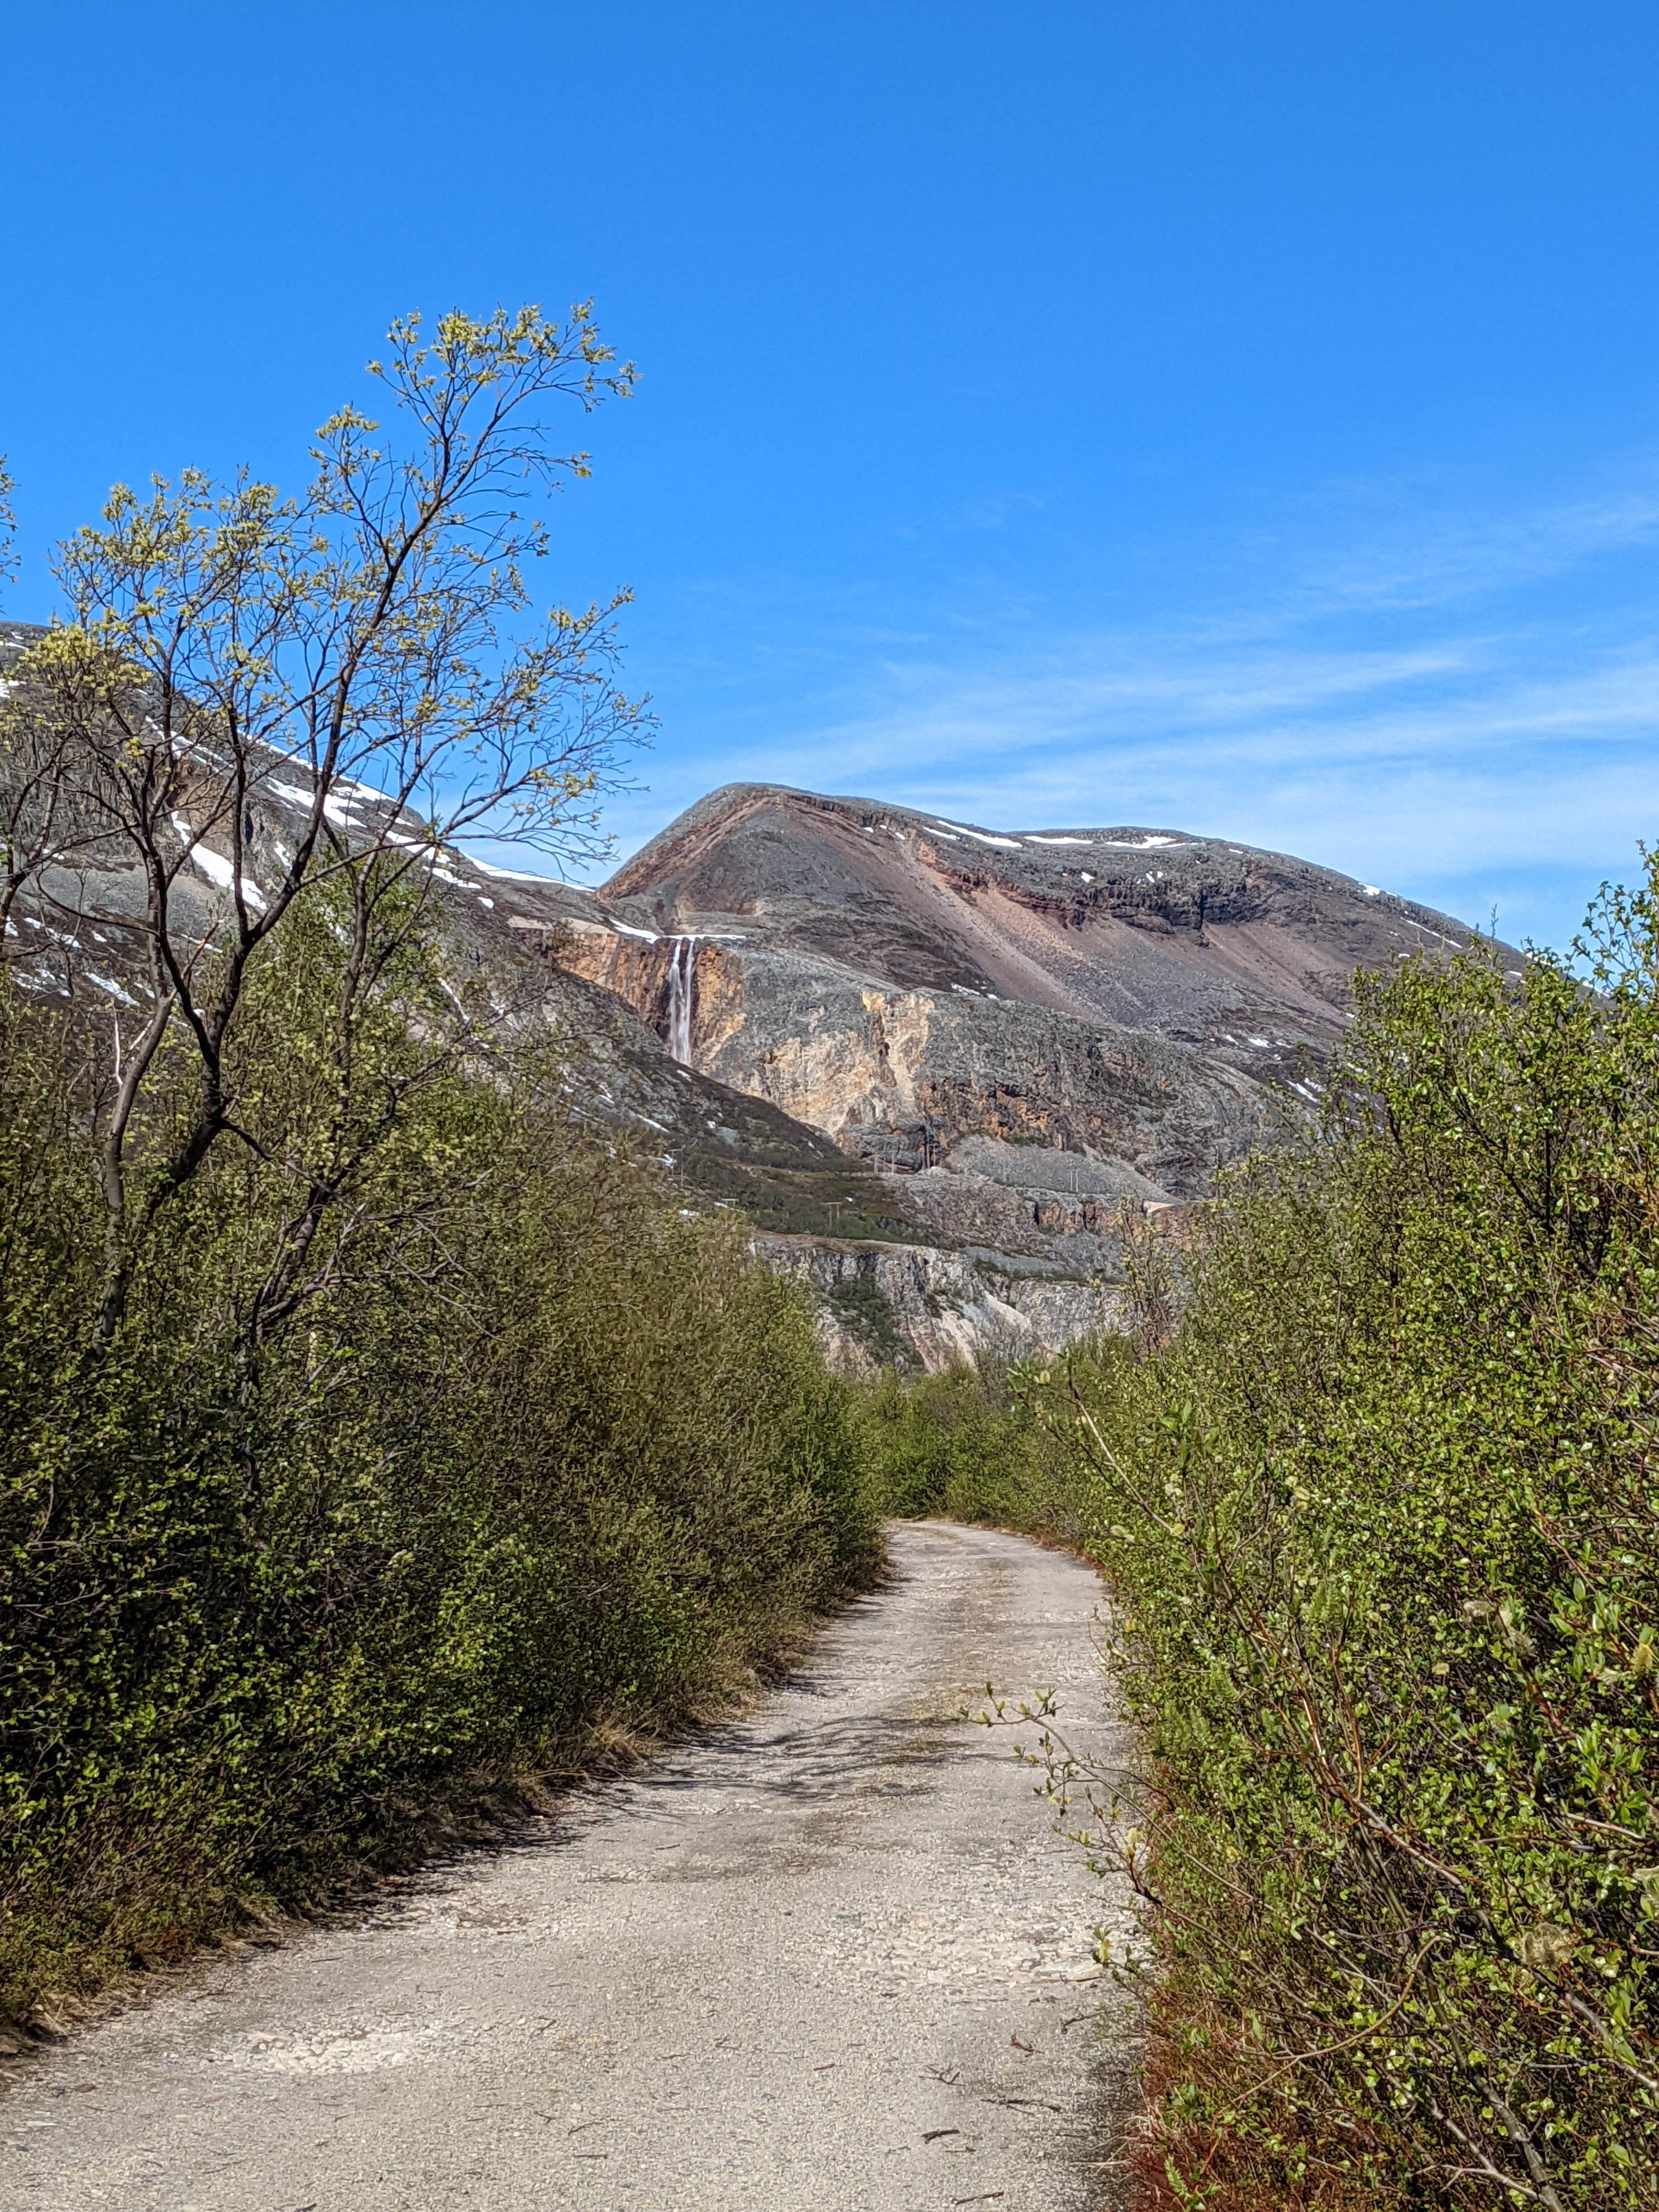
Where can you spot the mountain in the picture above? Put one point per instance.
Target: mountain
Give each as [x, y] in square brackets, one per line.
[931, 993]
[931, 1062]
[1018, 1031]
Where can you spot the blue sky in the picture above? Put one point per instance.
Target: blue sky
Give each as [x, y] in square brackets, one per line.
[1231, 416]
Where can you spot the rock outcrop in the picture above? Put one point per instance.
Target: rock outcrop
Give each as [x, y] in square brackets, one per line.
[880, 1303]
[901, 983]
[1023, 1031]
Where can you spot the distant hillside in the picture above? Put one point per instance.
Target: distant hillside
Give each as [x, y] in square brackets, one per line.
[930, 1061]
[906, 984]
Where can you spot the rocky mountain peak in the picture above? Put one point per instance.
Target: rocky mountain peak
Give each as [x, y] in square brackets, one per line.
[904, 981]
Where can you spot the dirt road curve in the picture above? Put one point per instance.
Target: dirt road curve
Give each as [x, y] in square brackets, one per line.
[831, 1956]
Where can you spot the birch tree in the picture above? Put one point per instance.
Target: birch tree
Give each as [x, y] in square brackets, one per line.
[362, 656]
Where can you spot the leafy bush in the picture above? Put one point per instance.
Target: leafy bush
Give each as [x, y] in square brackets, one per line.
[1381, 1507]
[367, 1436]
[390, 1484]
[960, 1445]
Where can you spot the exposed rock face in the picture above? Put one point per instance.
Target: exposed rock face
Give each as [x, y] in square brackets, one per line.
[939, 1309]
[1024, 1031]
[1028, 1200]
[902, 983]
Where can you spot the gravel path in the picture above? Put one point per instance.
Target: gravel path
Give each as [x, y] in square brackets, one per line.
[832, 1955]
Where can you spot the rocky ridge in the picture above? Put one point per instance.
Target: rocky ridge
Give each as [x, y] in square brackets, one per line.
[1128, 996]
[1022, 1032]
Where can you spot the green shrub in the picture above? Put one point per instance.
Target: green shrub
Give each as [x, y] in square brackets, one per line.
[368, 1438]
[377, 1496]
[1381, 1510]
[959, 1444]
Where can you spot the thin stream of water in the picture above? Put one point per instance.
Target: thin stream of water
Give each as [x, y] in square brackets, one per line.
[681, 959]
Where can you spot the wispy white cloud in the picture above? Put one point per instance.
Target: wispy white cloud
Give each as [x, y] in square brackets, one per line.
[1513, 761]
[1404, 544]
[1382, 688]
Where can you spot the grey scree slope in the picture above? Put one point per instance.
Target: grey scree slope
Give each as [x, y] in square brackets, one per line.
[833, 1955]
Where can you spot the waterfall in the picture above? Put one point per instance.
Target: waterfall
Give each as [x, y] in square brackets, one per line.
[681, 970]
